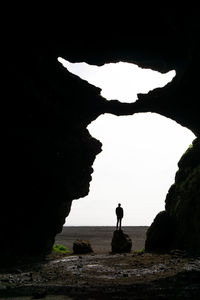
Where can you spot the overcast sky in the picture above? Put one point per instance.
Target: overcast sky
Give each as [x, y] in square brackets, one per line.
[140, 152]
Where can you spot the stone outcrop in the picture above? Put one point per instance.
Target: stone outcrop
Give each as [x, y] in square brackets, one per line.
[161, 233]
[82, 247]
[47, 151]
[121, 242]
[178, 226]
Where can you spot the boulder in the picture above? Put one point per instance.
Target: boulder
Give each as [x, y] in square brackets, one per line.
[121, 242]
[82, 247]
[161, 233]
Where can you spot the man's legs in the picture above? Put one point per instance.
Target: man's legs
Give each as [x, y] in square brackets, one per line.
[120, 223]
[117, 223]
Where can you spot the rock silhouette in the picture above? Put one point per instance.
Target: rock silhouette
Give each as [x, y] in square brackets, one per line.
[121, 242]
[161, 233]
[178, 227]
[47, 152]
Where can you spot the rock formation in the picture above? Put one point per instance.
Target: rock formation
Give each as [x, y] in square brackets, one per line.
[121, 242]
[178, 226]
[47, 151]
[82, 247]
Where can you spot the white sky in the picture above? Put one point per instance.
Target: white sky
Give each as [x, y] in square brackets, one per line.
[140, 152]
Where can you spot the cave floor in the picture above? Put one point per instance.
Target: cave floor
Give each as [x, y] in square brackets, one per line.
[104, 276]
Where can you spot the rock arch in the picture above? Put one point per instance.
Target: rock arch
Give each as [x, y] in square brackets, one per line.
[47, 150]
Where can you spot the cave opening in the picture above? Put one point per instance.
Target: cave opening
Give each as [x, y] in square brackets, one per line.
[140, 153]
[121, 81]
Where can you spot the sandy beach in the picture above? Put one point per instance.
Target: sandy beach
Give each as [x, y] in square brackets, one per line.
[103, 275]
[100, 237]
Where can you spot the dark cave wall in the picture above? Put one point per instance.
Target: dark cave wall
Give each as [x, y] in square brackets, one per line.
[178, 227]
[47, 150]
[183, 200]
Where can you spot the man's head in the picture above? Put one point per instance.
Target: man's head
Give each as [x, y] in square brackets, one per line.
[119, 204]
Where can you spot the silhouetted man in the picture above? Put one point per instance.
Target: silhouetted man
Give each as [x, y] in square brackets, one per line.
[120, 213]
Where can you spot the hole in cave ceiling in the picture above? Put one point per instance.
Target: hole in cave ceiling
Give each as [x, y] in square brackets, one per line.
[140, 153]
[121, 81]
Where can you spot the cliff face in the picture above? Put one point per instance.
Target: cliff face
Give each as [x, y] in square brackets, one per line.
[178, 227]
[47, 150]
[183, 200]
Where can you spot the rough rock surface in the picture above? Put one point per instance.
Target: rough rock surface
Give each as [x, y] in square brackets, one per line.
[161, 233]
[121, 276]
[121, 242]
[82, 247]
[48, 153]
[47, 150]
[178, 226]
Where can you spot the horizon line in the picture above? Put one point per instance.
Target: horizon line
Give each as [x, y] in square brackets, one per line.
[105, 226]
